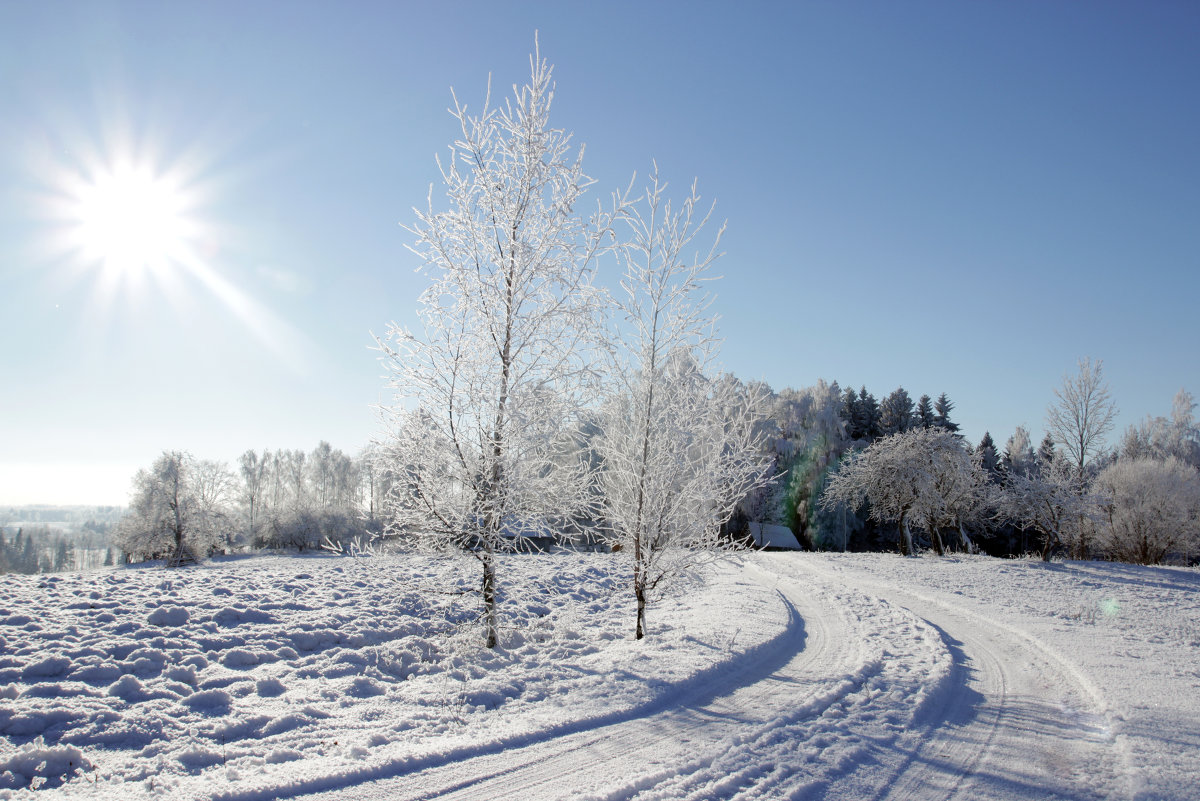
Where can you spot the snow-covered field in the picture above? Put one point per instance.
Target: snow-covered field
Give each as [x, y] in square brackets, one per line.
[771, 676]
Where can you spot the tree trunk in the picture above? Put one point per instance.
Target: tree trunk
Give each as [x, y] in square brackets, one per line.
[935, 534]
[639, 591]
[906, 542]
[1048, 546]
[964, 539]
[491, 634]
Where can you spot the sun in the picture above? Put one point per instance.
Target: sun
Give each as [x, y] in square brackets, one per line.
[130, 220]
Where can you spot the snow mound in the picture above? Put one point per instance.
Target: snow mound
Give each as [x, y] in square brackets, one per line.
[37, 766]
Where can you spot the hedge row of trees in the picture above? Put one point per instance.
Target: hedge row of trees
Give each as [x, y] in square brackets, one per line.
[184, 507]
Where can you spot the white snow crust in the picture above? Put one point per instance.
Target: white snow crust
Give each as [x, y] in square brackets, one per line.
[771, 676]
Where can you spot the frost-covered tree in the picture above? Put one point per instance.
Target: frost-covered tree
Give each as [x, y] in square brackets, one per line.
[1046, 452]
[1047, 501]
[1150, 509]
[1018, 452]
[1082, 413]
[253, 470]
[500, 368]
[680, 446]
[959, 486]
[215, 487]
[898, 476]
[175, 510]
[1161, 438]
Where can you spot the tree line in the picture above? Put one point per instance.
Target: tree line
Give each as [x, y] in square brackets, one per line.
[1138, 501]
[186, 508]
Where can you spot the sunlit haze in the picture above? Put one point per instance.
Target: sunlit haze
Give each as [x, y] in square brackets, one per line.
[201, 205]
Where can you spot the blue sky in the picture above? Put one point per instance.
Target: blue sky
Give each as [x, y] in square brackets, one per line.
[953, 197]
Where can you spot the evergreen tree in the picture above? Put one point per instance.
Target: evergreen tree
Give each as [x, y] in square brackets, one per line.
[108, 557]
[868, 407]
[941, 414]
[1045, 451]
[988, 456]
[896, 413]
[29, 556]
[61, 556]
[851, 414]
[924, 414]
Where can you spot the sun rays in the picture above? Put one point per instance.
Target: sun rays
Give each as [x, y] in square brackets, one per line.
[140, 230]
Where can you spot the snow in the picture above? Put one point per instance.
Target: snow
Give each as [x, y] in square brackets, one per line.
[774, 675]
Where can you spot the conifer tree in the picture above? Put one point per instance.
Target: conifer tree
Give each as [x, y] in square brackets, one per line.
[1046, 451]
[851, 414]
[868, 407]
[924, 413]
[941, 414]
[896, 412]
[988, 456]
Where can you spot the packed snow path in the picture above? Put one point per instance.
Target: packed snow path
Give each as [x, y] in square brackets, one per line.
[870, 692]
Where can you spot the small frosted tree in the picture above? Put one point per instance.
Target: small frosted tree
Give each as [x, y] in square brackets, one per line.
[1161, 438]
[1149, 509]
[679, 447]
[959, 487]
[1018, 452]
[1047, 500]
[176, 509]
[888, 477]
[500, 369]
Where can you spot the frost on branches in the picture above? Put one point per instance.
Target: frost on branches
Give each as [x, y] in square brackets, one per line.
[924, 476]
[503, 363]
[679, 447]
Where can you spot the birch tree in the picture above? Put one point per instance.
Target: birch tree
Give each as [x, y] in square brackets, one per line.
[1082, 413]
[501, 364]
[679, 446]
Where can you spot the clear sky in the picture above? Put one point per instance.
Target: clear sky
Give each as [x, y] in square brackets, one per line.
[953, 197]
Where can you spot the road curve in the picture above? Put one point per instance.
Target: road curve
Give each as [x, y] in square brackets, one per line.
[871, 692]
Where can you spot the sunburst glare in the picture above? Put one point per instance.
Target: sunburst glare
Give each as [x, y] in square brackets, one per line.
[129, 219]
[137, 227]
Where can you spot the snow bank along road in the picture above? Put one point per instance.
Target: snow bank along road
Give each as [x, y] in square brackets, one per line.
[872, 690]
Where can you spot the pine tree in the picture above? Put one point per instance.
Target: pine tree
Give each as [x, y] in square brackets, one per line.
[1046, 451]
[896, 412]
[988, 456]
[924, 413]
[852, 415]
[868, 407]
[941, 414]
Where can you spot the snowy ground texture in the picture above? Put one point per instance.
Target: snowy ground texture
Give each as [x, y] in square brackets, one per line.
[771, 676]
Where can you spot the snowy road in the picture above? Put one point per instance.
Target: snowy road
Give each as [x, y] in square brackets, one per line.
[871, 691]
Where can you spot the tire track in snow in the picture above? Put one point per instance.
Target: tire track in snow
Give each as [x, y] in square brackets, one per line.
[622, 758]
[1016, 720]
